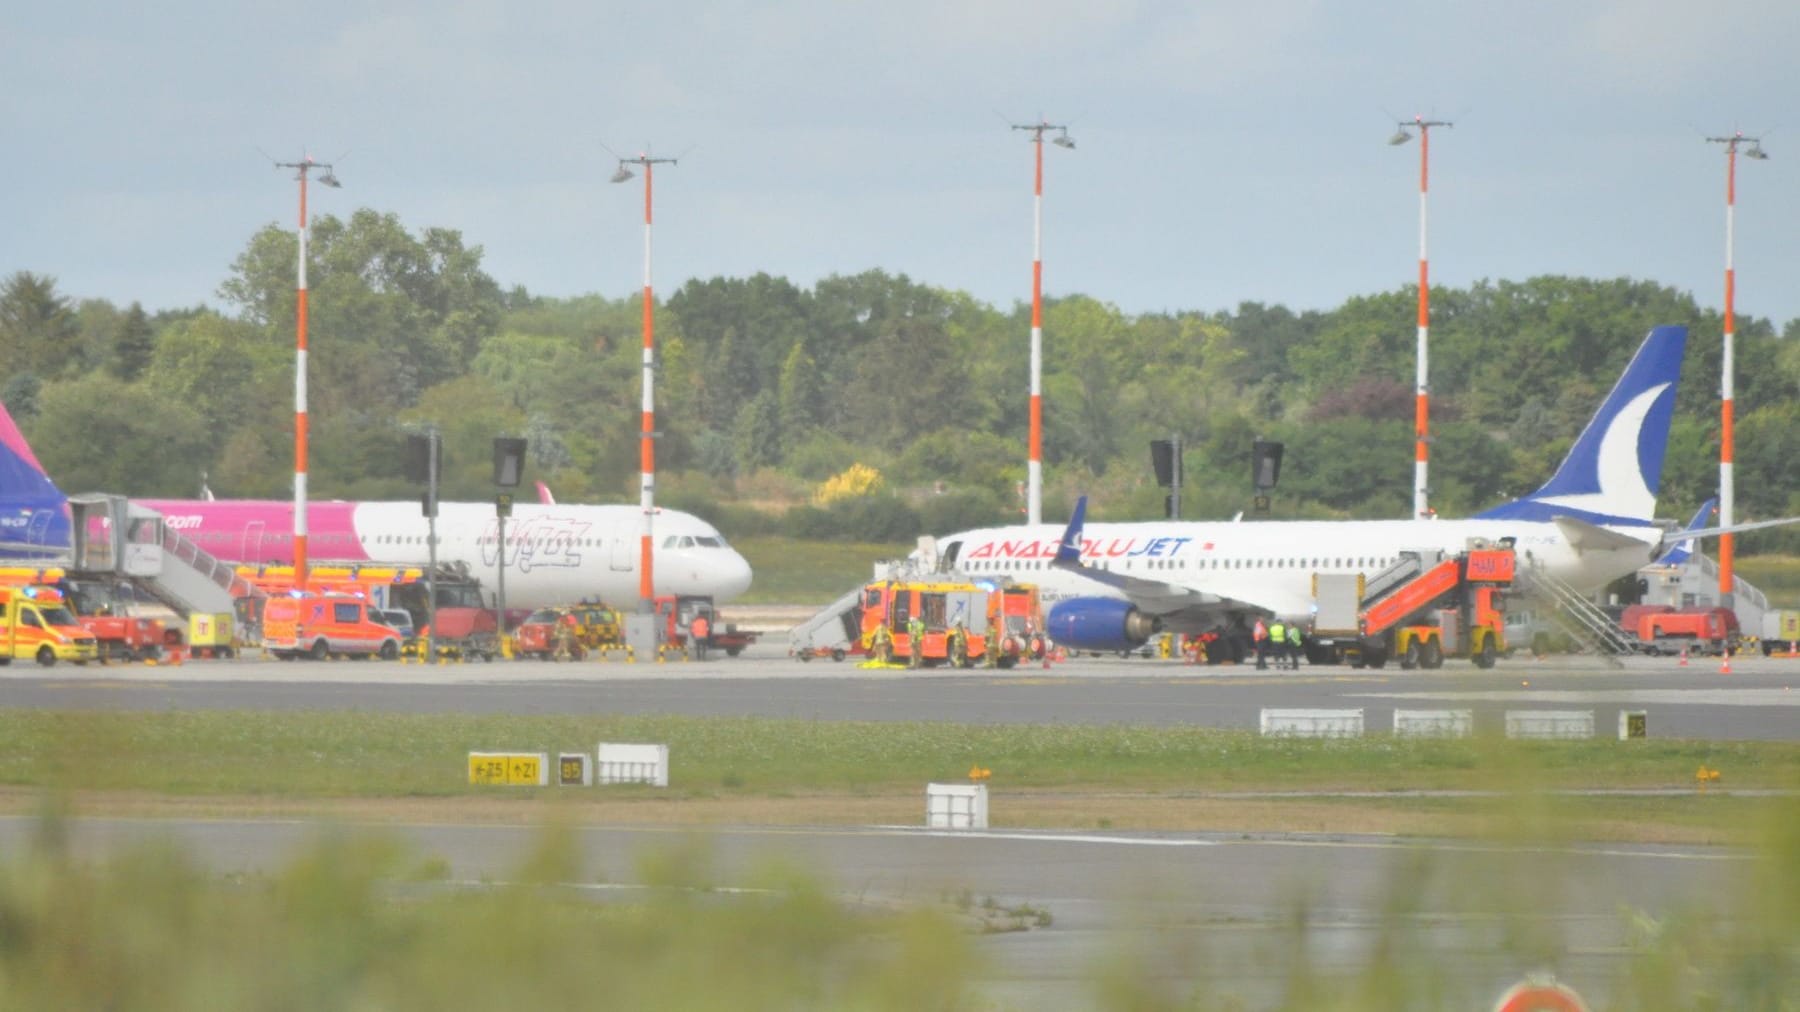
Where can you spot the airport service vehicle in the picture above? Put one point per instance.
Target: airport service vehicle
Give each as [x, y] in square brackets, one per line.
[100, 609]
[35, 624]
[1419, 611]
[1663, 630]
[1780, 632]
[569, 631]
[321, 625]
[691, 622]
[1114, 585]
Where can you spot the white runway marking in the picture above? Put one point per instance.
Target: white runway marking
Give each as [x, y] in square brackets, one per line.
[1678, 697]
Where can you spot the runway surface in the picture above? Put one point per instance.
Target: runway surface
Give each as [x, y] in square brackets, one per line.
[1756, 700]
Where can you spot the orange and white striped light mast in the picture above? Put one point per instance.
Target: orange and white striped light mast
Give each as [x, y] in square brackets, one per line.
[1727, 497]
[647, 441]
[301, 168]
[1422, 378]
[1034, 458]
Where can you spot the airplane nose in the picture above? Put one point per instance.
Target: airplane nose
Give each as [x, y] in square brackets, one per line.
[736, 579]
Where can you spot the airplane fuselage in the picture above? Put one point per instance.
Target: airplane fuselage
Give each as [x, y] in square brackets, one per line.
[1271, 563]
[554, 553]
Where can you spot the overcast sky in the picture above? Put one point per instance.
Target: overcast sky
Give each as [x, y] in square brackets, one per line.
[1227, 151]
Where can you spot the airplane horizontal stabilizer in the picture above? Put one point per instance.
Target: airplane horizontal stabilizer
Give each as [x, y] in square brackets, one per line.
[1588, 537]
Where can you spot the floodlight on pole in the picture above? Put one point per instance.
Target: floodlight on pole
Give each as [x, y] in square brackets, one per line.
[301, 168]
[1034, 462]
[1422, 376]
[646, 449]
[1727, 384]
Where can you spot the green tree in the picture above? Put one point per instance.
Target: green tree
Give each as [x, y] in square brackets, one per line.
[149, 444]
[37, 326]
[134, 344]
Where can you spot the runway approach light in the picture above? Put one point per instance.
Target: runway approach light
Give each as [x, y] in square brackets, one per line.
[622, 175]
[1400, 137]
[1755, 151]
[1064, 141]
[332, 181]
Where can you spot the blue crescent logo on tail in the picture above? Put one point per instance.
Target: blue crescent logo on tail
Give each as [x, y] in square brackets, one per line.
[1622, 488]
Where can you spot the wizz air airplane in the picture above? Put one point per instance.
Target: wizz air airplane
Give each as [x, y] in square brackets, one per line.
[1114, 585]
[555, 553]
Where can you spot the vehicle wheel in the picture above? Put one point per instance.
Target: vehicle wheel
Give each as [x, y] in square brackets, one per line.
[46, 657]
[1431, 655]
[284, 655]
[1357, 661]
[837, 653]
[733, 651]
[320, 650]
[1484, 658]
[389, 650]
[1410, 659]
[228, 652]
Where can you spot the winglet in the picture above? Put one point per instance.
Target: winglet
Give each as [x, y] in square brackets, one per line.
[544, 495]
[1068, 549]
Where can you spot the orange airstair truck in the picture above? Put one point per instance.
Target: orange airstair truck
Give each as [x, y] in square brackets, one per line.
[36, 624]
[1428, 607]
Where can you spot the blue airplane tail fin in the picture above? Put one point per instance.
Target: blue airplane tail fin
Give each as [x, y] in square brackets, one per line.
[1684, 550]
[1613, 471]
[34, 513]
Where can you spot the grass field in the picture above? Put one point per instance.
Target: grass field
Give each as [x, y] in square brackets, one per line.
[757, 770]
[1775, 575]
[809, 572]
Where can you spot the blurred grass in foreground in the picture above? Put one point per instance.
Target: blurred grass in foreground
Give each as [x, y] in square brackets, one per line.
[357, 922]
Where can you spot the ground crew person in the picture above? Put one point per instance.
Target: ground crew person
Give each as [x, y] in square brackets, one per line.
[1260, 634]
[993, 646]
[958, 646]
[915, 637]
[881, 644]
[1277, 642]
[698, 630]
[1293, 645]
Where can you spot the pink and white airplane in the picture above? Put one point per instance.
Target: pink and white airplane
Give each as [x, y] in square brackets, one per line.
[555, 553]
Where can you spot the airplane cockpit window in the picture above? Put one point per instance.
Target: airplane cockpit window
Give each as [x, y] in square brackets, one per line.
[669, 542]
[687, 542]
[705, 542]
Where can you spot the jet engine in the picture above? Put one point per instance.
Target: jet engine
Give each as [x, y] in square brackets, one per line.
[1099, 624]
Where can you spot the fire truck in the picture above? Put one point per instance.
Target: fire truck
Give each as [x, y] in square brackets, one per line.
[957, 623]
[36, 624]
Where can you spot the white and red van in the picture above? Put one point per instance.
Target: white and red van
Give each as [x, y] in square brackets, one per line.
[318, 626]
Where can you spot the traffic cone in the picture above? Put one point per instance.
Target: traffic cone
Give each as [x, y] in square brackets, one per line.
[1684, 657]
[1725, 663]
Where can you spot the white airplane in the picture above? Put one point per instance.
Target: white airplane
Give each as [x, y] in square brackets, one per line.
[555, 553]
[1112, 586]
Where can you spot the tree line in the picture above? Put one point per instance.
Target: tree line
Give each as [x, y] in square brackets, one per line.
[766, 389]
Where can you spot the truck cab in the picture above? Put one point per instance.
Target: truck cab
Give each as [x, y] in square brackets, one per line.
[36, 624]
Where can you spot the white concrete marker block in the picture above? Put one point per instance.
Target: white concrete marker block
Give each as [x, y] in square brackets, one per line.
[632, 764]
[1550, 724]
[1434, 723]
[574, 769]
[956, 806]
[1634, 724]
[1313, 723]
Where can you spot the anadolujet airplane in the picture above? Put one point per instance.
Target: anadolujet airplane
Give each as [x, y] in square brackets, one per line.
[555, 553]
[1115, 584]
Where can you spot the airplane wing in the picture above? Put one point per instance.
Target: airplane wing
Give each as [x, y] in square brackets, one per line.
[1676, 537]
[1155, 597]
